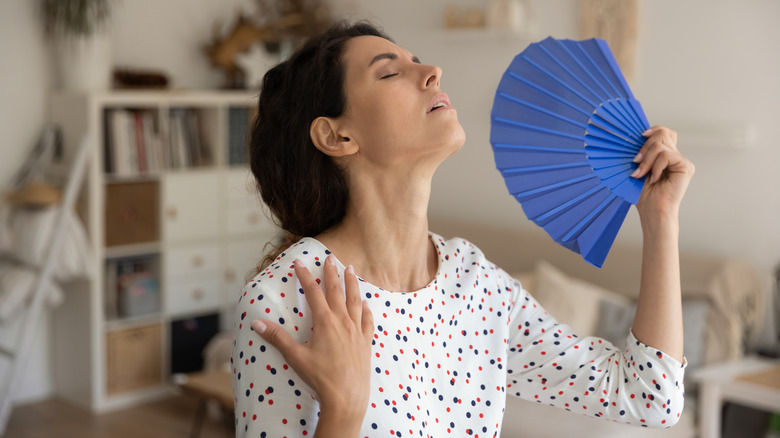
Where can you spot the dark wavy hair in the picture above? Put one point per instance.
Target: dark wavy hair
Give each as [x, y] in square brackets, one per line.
[304, 189]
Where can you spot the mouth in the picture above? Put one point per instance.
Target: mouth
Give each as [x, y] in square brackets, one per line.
[439, 102]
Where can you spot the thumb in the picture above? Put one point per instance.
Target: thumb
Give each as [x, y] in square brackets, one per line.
[276, 336]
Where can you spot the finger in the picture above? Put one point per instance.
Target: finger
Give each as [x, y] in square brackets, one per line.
[280, 339]
[652, 130]
[333, 292]
[657, 133]
[367, 322]
[650, 152]
[659, 166]
[312, 291]
[354, 306]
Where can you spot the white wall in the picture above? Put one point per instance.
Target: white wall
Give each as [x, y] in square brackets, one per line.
[25, 86]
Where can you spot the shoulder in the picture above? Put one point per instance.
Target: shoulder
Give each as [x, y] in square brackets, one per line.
[280, 272]
[274, 291]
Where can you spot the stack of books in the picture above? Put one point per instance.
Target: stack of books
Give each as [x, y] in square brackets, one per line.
[136, 142]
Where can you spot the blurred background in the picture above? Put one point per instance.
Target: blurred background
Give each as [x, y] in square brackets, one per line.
[707, 69]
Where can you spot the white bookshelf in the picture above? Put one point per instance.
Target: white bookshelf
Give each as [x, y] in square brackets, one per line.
[212, 229]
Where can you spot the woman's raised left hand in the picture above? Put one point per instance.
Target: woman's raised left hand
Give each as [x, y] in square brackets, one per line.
[668, 171]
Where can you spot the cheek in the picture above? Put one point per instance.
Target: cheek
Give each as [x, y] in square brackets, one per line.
[388, 120]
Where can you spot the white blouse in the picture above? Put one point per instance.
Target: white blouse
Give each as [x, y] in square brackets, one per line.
[445, 357]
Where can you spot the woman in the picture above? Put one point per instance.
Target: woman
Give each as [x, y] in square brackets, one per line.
[349, 133]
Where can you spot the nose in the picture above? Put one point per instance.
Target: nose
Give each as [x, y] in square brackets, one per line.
[432, 76]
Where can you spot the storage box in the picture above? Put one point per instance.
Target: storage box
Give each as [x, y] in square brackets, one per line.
[133, 286]
[132, 213]
[133, 359]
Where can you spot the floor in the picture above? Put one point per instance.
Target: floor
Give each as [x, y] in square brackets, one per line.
[171, 417]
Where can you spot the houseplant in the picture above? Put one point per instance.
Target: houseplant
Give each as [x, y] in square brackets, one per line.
[78, 31]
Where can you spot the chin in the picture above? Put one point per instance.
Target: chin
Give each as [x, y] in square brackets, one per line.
[457, 140]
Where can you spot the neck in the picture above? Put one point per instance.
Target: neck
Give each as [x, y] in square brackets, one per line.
[384, 233]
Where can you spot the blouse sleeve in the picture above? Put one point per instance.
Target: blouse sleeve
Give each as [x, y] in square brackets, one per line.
[548, 363]
[270, 399]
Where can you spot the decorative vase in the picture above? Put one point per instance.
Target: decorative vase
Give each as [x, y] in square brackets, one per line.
[84, 62]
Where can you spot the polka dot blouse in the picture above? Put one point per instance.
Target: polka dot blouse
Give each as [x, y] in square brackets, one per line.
[445, 357]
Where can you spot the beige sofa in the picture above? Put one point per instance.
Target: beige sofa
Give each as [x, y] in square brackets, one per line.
[723, 304]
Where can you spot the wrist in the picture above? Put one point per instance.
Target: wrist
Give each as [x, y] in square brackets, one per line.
[659, 222]
[334, 422]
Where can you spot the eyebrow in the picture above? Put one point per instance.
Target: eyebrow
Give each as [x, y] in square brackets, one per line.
[391, 56]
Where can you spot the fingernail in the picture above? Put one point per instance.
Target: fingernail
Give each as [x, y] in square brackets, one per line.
[350, 270]
[638, 157]
[330, 260]
[646, 132]
[636, 173]
[258, 326]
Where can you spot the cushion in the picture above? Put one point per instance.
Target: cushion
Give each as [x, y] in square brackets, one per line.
[17, 286]
[572, 301]
[527, 280]
[32, 232]
[617, 318]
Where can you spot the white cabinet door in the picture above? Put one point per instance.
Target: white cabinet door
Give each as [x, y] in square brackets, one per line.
[245, 214]
[192, 296]
[191, 206]
[192, 261]
[241, 259]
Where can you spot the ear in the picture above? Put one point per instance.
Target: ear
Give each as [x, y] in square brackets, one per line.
[328, 138]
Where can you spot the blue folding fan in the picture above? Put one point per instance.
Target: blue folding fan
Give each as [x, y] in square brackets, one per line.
[565, 128]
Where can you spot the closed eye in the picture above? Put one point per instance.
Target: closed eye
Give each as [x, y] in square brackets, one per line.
[389, 76]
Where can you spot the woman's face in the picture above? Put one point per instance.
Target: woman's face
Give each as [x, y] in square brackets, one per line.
[396, 110]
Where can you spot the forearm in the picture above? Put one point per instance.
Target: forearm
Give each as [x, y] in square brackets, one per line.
[658, 320]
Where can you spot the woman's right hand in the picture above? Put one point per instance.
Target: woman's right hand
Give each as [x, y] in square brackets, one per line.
[336, 361]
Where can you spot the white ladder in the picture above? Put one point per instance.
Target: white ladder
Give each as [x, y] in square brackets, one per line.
[19, 354]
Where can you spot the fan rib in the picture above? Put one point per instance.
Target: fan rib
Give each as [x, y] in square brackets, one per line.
[570, 73]
[611, 115]
[595, 142]
[598, 70]
[516, 170]
[613, 67]
[590, 216]
[628, 111]
[566, 205]
[618, 133]
[514, 75]
[561, 83]
[598, 132]
[549, 187]
[585, 69]
[536, 148]
[542, 110]
[536, 128]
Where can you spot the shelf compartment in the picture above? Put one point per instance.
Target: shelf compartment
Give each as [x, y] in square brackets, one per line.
[132, 213]
[133, 359]
[132, 287]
